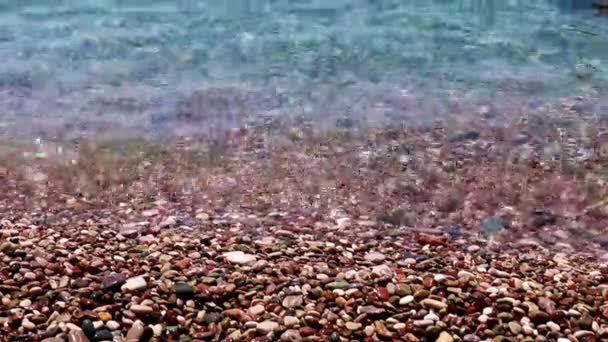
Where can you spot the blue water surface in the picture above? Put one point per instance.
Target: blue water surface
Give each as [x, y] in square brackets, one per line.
[185, 64]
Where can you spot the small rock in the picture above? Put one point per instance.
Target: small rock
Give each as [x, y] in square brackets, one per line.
[80, 283]
[267, 327]
[434, 304]
[135, 284]
[290, 321]
[26, 303]
[113, 325]
[444, 337]
[103, 335]
[375, 257]
[183, 290]
[291, 335]
[337, 285]
[406, 300]
[104, 316]
[257, 310]
[112, 281]
[239, 258]
[370, 310]
[353, 326]
[291, 302]
[28, 325]
[88, 328]
[136, 332]
[515, 328]
[141, 309]
[382, 271]
[553, 326]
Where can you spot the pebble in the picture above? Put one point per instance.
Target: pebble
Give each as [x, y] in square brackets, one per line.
[26, 303]
[375, 257]
[183, 290]
[135, 284]
[353, 326]
[141, 309]
[266, 327]
[291, 335]
[27, 325]
[290, 321]
[515, 327]
[291, 302]
[444, 337]
[382, 271]
[103, 335]
[104, 316]
[135, 332]
[432, 303]
[423, 323]
[553, 326]
[112, 281]
[239, 258]
[257, 310]
[406, 300]
[113, 325]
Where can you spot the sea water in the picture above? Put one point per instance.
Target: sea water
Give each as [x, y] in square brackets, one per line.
[180, 66]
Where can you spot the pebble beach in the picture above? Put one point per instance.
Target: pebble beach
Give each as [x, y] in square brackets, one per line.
[410, 234]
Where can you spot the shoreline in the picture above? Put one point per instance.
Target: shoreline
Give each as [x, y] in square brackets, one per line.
[451, 231]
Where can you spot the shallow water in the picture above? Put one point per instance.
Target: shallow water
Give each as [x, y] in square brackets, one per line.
[187, 66]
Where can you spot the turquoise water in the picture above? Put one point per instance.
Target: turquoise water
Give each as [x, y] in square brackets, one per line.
[183, 66]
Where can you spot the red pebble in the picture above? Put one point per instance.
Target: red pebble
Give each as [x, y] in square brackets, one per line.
[426, 239]
[307, 331]
[383, 294]
[184, 264]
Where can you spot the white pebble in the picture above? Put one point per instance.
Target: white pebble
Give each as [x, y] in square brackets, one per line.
[431, 316]
[553, 326]
[113, 325]
[483, 318]
[406, 300]
[487, 311]
[399, 326]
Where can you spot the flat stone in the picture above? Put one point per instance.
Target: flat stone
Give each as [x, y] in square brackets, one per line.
[112, 281]
[370, 310]
[183, 290]
[112, 325]
[26, 303]
[135, 284]
[136, 331]
[423, 323]
[257, 310]
[434, 304]
[141, 309]
[103, 335]
[290, 321]
[291, 302]
[382, 271]
[353, 326]
[406, 300]
[291, 336]
[337, 285]
[375, 257]
[267, 327]
[239, 258]
[444, 337]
